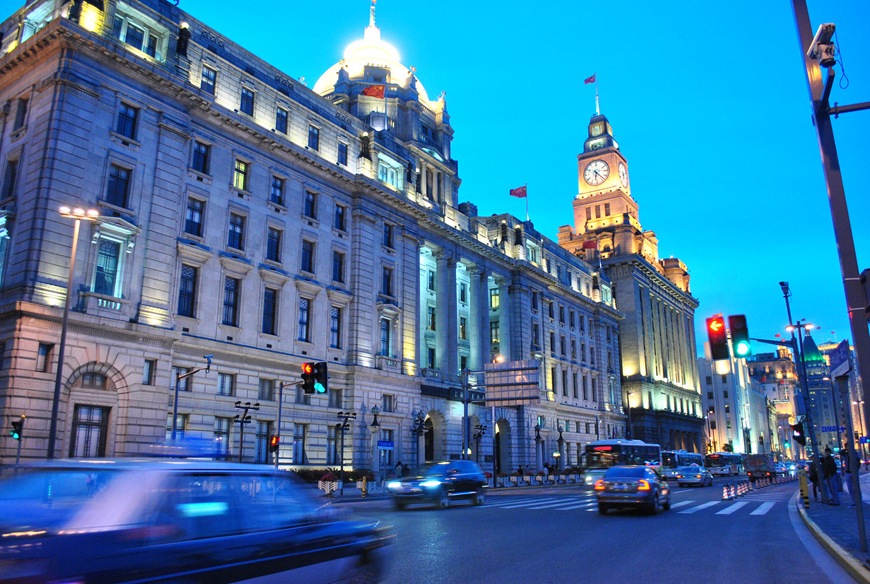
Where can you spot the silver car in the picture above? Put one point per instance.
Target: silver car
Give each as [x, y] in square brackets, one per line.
[694, 475]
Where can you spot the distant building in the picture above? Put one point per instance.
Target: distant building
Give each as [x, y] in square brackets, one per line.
[657, 338]
[776, 374]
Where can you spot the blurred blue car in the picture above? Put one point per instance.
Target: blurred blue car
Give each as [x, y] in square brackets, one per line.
[104, 520]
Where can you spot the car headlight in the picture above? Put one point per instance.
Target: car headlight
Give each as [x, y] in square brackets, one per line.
[430, 483]
[394, 484]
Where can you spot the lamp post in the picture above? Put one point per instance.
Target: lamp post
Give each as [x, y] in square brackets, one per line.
[79, 215]
[345, 417]
[418, 429]
[560, 461]
[628, 409]
[539, 451]
[465, 424]
[178, 377]
[479, 431]
[375, 427]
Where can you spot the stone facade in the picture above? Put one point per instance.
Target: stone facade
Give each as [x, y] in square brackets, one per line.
[247, 218]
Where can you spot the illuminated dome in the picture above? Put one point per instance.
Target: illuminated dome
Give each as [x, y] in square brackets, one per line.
[371, 50]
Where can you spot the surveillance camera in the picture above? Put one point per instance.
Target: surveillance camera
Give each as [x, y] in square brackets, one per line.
[783, 283]
[822, 49]
[209, 357]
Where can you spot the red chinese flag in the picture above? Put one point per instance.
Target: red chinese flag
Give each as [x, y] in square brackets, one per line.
[592, 244]
[589, 80]
[375, 91]
[519, 192]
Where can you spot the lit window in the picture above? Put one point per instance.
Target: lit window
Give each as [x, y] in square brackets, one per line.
[240, 175]
[140, 32]
[193, 217]
[276, 192]
[107, 280]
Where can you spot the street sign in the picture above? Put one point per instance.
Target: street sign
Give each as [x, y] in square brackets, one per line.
[385, 444]
[840, 362]
[832, 429]
[863, 439]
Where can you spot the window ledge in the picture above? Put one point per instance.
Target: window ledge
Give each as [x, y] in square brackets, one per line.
[199, 176]
[132, 142]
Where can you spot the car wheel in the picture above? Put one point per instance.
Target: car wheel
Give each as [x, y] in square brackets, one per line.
[479, 499]
[667, 504]
[443, 501]
[653, 508]
[602, 508]
[400, 506]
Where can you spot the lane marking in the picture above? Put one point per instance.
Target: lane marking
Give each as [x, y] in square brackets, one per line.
[763, 508]
[699, 507]
[732, 508]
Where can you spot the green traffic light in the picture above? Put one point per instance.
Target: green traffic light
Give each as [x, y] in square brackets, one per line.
[743, 349]
[318, 388]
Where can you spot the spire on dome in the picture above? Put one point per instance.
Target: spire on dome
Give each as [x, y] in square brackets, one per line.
[372, 13]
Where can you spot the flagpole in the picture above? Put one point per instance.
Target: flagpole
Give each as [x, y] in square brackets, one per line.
[526, 185]
[597, 106]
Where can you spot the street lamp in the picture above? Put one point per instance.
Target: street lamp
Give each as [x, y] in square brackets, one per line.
[561, 442]
[345, 417]
[375, 427]
[479, 431]
[79, 215]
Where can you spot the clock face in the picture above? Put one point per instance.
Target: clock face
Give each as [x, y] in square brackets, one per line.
[623, 175]
[596, 172]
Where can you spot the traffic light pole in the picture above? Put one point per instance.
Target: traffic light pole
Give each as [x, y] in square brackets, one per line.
[281, 387]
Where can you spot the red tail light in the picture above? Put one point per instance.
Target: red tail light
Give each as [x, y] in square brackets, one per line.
[599, 485]
[642, 485]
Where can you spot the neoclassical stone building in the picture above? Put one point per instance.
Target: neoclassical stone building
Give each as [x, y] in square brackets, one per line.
[657, 339]
[250, 219]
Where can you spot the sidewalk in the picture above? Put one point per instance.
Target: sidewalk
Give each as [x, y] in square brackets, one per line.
[836, 529]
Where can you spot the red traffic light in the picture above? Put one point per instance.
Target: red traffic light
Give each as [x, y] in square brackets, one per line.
[308, 368]
[274, 441]
[718, 337]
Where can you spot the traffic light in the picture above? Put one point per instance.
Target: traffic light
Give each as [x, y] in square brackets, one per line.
[17, 429]
[717, 337]
[797, 432]
[308, 377]
[321, 377]
[739, 335]
[274, 441]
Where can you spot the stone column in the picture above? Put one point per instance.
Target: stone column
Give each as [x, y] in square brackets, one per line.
[504, 320]
[446, 332]
[479, 325]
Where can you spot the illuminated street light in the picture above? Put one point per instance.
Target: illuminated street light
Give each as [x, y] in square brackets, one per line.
[79, 215]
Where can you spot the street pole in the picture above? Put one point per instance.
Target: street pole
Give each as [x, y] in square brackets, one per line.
[243, 419]
[345, 417]
[851, 455]
[465, 431]
[856, 297]
[278, 421]
[178, 378]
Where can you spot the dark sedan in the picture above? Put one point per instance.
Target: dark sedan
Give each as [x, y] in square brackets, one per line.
[632, 486]
[440, 483]
[155, 521]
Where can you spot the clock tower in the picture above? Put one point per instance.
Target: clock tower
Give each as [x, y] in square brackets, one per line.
[604, 190]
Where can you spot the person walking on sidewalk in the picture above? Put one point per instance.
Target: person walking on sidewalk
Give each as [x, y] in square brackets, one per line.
[829, 472]
[851, 464]
[814, 478]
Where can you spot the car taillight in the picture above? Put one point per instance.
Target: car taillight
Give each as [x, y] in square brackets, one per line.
[599, 485]
[642, 485]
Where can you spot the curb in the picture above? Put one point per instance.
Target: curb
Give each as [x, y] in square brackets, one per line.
[850, 563]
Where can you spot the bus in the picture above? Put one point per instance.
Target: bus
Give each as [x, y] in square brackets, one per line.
[724, 463]
[602, 454]
[671, 459]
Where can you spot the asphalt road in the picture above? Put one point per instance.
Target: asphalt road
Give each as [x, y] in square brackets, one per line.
[557, 535]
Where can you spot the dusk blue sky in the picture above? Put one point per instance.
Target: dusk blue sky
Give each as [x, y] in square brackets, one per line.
[708, 102]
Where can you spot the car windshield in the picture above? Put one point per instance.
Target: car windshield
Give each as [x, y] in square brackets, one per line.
[690, 469]
[631, 472]
[435, 469]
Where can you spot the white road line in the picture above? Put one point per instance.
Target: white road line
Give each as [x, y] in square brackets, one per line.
[731, 508]
[699, 507]
[681, 504]
[763, 508]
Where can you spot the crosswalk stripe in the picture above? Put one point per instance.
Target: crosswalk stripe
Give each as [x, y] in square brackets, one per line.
[699, 507]
[681, 504]
[731, 508]
[763, 508]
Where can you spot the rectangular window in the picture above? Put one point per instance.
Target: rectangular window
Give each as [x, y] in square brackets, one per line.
[209, 79]
[387, 282]
[307, 256]
[309, 208]
[222, 428]
[571, 320]
[231, 302]
[493, 332]
[187, 291]
[607, 209]
[430, 351]
[127, 117]
[177, 374]
[246, 101]
[276, 192]
[201, 152]
[574, 383]
[43, 357]
[339, 220]
[270, 310]
[335, 327]
[149, 371]
[313, 137]
[20, 114]
[385, 337]
[281, 116]
[10, 178]
[139, 35]
[337, 266]
[304, 311]
[463, 328]
[273, 244]
[494, 299]
[342, 153]
[193, 216]
[430, 281]
[226, 384]
[236, 232]
[589, 213]
[299, 435]
[261, 450]
[431, 319]
[118, 188]
[107, 269]
[463, 293]
[388, 235]
[266, 390]
[90, 429]
[240, 175]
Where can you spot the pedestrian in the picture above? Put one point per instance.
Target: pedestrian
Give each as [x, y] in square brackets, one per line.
[520, 471]
[400, 469]
[829, 474]
[546, 470]
[851, 466]
[814, 478]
